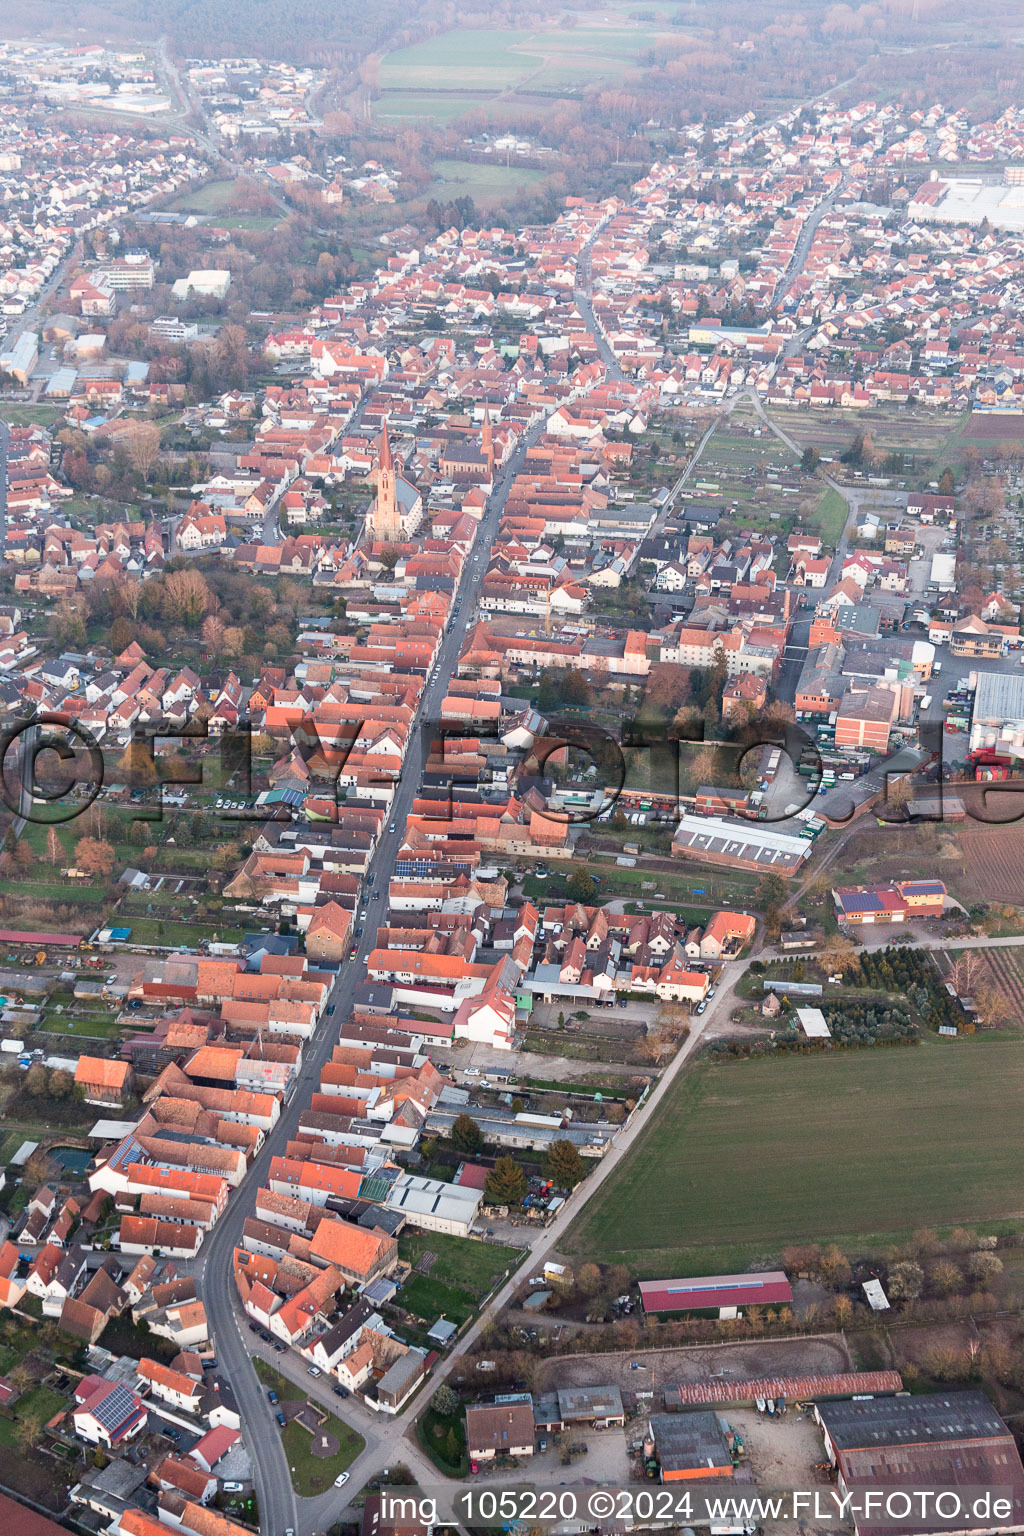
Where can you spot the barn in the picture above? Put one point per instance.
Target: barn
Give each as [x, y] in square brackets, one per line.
[715, 1293]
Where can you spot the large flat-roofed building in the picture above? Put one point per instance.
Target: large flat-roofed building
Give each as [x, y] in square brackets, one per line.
[712, 1292]
[739, 844]
[968, 200]
[434, 1205]
[948, 1440]
[997, 719]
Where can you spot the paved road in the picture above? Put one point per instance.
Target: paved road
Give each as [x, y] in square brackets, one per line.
[390, 1446]
[583, 298]
[803, 244]
[232, 1339]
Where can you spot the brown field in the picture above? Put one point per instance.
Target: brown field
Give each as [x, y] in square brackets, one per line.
[917, 852]
[993, 861]
[1004, 969]
[981, 424]
[913, 429]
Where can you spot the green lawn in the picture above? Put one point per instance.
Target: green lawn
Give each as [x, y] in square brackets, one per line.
[830, 517]
[37, 1403]
[94, 1026]
[24, 414]
[150, 930]
[310, 1475]
[76, 893]
[471, 1265]
[429, 1299]
[861, 1147]
[213, 197]
[444, 1440]
[483, 183]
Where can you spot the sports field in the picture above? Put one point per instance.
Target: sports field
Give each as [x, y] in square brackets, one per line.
[485, 184]
[860, 1147]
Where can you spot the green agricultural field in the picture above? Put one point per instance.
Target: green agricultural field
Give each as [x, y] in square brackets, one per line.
[477, 64]
[858, 1147]
[440, 106]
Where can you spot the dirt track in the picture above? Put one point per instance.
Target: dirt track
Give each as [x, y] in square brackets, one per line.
[762, 1357]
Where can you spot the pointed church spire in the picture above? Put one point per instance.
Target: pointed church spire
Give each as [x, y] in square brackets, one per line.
[487, 442]
[384, 519]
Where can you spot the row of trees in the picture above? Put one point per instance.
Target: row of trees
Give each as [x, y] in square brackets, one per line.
[507, 1181]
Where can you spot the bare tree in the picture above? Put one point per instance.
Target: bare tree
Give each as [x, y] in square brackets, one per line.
[142, 445]
[966, 972]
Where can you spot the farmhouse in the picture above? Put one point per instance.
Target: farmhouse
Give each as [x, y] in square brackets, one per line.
[504, 1429]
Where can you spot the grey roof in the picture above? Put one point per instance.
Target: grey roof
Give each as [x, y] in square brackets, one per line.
[999, 696]
[405, 1369]
[689, 1441]
[859, 1423]
[589, 1403]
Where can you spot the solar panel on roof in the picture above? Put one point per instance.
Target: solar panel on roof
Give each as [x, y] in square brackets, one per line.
[115, 1408]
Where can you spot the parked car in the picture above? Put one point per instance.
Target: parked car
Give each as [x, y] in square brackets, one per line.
[341, 1480]
[271, 1395]
[282, 1421]
[312, 1370]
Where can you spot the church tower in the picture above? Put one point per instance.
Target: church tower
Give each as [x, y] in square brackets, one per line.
[385, 525]
[487, 443]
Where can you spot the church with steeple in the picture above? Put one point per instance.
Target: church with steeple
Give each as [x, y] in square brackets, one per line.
[464, 462]
[398, 506]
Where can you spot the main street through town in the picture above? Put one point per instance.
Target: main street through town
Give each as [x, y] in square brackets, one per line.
[390, 1439]
[214, 1270]
[386, 1437]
